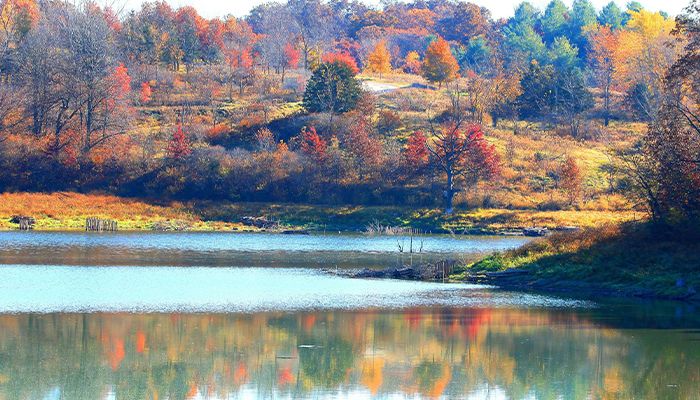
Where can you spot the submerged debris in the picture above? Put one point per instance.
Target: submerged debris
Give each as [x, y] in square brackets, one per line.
[440, 270]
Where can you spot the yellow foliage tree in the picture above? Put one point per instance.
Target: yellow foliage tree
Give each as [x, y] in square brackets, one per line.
[411, 64]
[439, 65]
[643, 54]
[379, 60]
[650, 24]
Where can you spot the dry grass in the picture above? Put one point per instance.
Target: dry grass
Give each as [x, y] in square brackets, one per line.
[65, 210]
[68, 211]
[499, 219]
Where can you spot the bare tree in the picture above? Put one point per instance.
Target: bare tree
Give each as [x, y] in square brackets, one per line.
[279, 28]
[314, 21]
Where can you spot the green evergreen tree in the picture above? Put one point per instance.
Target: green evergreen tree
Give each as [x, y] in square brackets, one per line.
[555, 20]
[525, 14]
[522, 45]
[562, 54]
[583, 15]
[476, 56]
[611, 16]
[332, 88]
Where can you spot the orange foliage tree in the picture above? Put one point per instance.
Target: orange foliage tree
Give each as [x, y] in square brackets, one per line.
[571, 180]
[412, 63]
[17, 17]
[379, 60]
[439, 65]
[145, 93]
[238, 39]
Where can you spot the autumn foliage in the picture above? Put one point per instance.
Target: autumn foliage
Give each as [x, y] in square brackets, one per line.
[464, 157]
[416, 152]
[313, 145]
[412, 63]
[571, 179]
[145, 93]
[292, 55]
[379, 60]
[179, 146]
[344, 59]
[439, 65]
[108, 101]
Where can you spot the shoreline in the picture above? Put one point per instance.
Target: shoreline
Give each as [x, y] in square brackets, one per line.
[516, 281]
[577, 288]
[68, 211]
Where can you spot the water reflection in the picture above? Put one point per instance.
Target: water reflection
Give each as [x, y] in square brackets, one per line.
[420, 352]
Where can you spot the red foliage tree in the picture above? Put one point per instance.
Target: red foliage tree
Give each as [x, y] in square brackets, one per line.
[366, 149]
[313, 145]
[292, 56]
[343, 58]
[416, 152]
[482, 161]
[121, 82]
[145, 93]
[179, 147]
[462, 154]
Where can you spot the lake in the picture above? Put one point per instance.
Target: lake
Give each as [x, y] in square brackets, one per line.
[186, 316]
[239, 249]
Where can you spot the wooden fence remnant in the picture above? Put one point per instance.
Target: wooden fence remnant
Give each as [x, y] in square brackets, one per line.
[93, 224]
[25, 223]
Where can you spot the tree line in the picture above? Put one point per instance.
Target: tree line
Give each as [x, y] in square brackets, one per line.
[76, 82]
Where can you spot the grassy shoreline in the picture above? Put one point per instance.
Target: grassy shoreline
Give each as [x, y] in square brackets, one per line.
[629, 260]
[67, 211]
[610, 256]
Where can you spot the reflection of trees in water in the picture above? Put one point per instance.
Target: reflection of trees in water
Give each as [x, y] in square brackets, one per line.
[325, 361]
[419, 351]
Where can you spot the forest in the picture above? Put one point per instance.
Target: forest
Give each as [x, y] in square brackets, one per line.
[422, 104]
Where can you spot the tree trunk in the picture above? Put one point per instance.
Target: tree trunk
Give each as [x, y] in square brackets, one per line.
[449, 194]
[607, 105]
[88, 125]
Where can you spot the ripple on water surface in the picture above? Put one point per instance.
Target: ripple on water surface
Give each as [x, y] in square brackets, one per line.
[168, 289]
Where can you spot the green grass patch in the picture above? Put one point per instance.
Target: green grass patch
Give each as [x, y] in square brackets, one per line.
[634, 258]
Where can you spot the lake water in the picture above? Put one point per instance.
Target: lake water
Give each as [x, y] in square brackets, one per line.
[77, 327]
[238, 249]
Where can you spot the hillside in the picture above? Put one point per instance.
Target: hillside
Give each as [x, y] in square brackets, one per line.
[635, 260]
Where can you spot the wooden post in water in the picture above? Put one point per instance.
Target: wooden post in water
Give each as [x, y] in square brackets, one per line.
[25, 223]
[93, 224]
